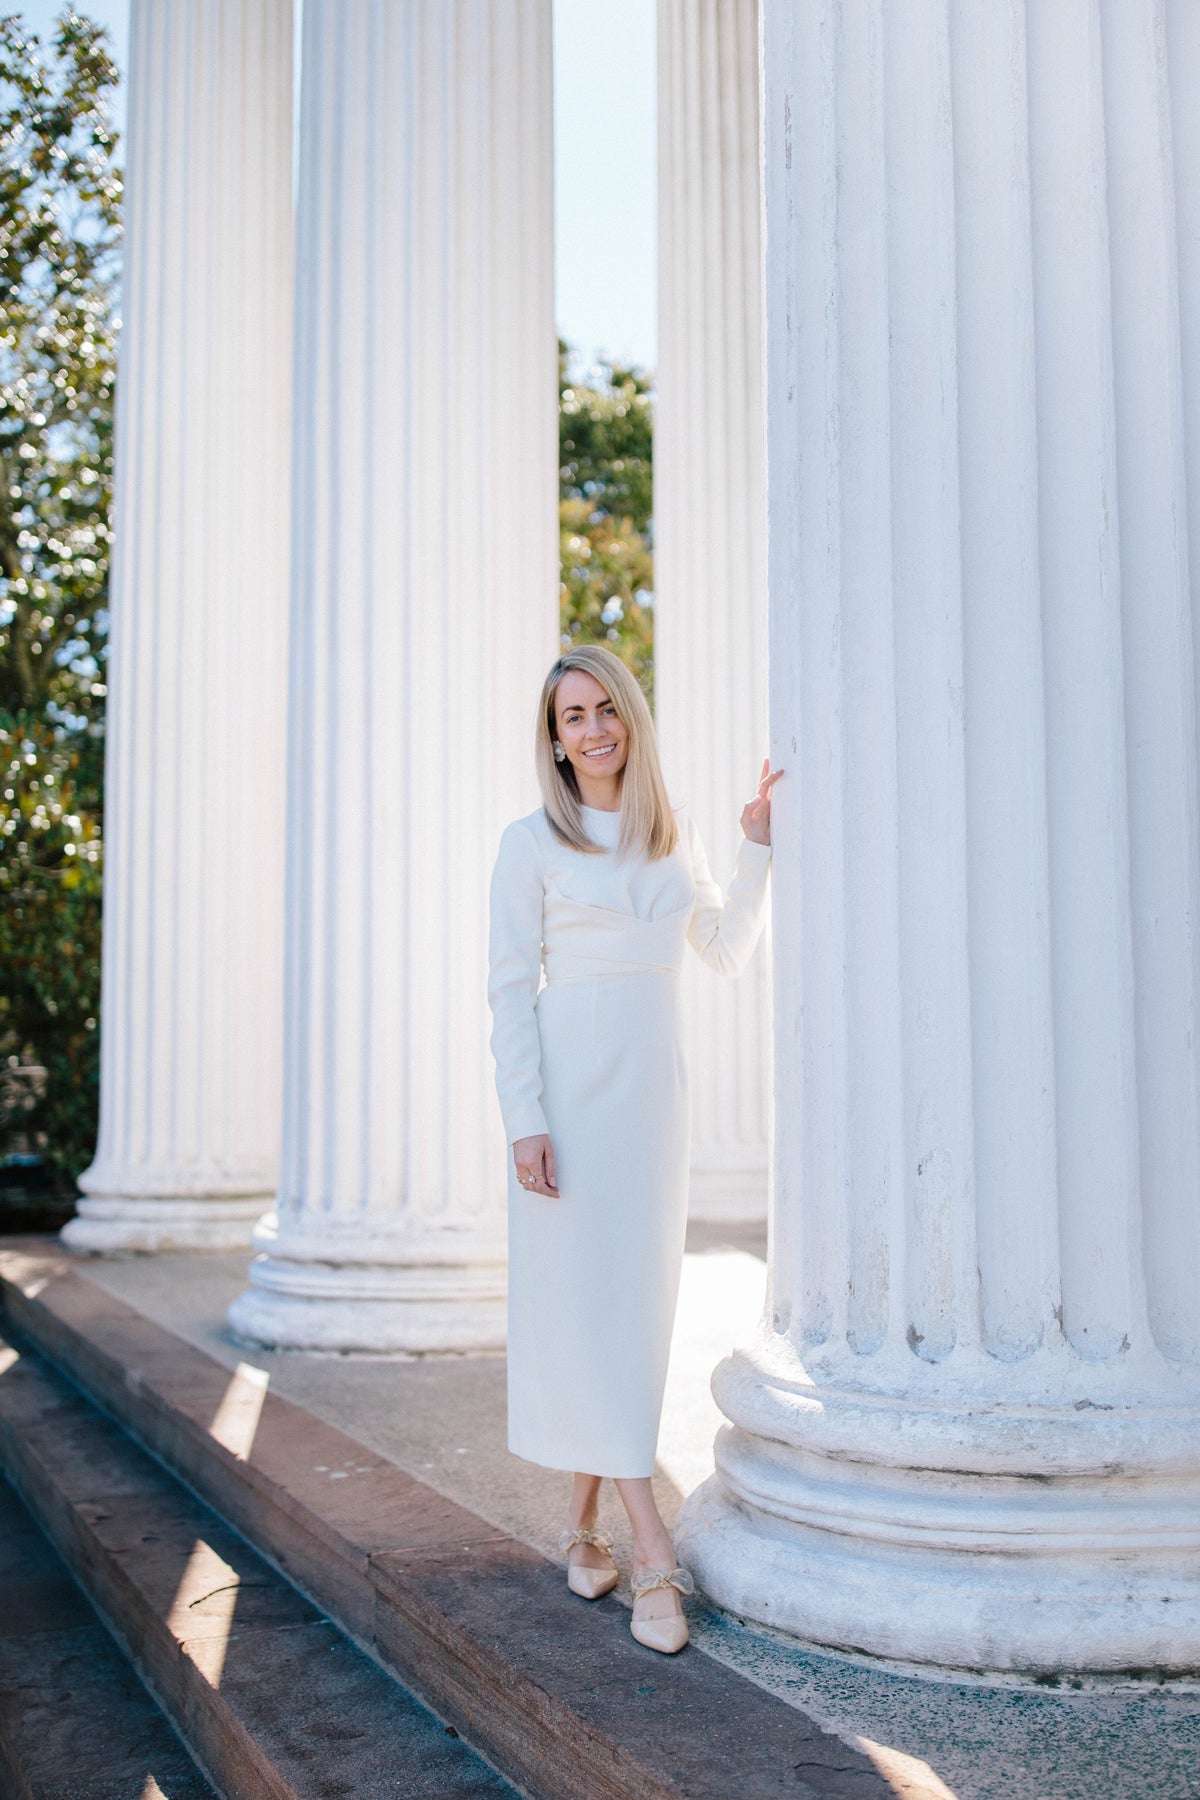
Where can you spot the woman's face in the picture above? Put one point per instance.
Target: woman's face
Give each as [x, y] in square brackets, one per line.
[587, 727]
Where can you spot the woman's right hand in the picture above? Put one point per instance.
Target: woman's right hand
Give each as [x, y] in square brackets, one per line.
[534, 1156]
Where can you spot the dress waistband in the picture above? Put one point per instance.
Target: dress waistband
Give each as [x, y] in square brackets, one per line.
[565, 965]
[584, 942]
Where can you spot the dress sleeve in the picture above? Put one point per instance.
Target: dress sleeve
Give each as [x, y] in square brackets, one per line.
[514, 970]
[725, 927]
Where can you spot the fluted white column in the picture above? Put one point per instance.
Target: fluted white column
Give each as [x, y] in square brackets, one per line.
[968, 1432]
[709, 527]
[424, 618]
[191, 980]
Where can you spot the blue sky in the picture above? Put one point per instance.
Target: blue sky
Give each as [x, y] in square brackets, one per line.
[604, 101]
[605, 160]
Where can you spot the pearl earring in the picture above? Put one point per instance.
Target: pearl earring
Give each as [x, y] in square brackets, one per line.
[560, 754]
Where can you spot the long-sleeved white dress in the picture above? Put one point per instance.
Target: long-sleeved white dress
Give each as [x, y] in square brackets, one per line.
[596, 1060]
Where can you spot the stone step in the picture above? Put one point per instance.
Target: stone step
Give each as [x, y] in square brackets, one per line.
[554, 1691]
[75, 1721]
[273, 1700]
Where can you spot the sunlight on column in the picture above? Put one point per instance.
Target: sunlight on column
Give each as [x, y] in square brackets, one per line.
[8, 1359]
[721, 1297]
[151, 1791]
[236, 1419]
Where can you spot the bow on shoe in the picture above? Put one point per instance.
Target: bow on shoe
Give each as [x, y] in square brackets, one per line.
[661, 1578]
[581, 1535]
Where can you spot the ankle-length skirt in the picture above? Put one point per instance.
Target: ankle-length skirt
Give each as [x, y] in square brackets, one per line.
[594, 1274]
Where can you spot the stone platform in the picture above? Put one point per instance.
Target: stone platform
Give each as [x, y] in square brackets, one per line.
[349, 1423]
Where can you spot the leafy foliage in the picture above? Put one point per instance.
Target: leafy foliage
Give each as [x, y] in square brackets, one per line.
[606, 431]
[60, 200]
[60, 196]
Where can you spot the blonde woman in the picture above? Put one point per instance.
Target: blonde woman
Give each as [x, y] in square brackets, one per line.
[603, 887]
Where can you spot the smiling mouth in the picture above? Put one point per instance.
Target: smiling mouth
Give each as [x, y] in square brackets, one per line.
[605, 750]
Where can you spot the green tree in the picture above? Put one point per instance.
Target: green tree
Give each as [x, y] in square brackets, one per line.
[60, 196]
[606, 434]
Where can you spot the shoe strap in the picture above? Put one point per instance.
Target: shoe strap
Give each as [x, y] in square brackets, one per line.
[581, 1535]
[648, 1579]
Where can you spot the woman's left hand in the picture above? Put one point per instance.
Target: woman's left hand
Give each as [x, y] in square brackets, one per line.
[756, 814]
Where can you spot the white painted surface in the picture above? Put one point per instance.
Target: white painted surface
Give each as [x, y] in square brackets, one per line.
[193, 887]
[424, 615]
[594, 1060]
[709, 529]
[967, 1432]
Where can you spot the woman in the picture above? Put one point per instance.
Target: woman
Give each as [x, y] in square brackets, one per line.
[603, 885]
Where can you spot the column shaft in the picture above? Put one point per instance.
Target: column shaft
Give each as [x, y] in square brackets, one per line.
[709, 531]
[424, 617]
[970, 1418]
[193, 885]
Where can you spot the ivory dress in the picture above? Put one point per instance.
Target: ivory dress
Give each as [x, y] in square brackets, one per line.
[596, 1060]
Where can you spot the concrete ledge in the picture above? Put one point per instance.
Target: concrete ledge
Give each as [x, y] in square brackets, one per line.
[271, 1697]
[553, 1690]
[74, 1718]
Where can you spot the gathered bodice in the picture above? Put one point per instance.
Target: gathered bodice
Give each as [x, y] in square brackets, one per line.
[604, 915]
[581, 916]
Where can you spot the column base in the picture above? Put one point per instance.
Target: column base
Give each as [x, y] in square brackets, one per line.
[109, 1224]
[1031, 1613]
[1032, 1536]
[429, 1294]
[402, 1326]
[735, 1196]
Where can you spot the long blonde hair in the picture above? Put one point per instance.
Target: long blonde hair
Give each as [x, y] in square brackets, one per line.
[647, 821]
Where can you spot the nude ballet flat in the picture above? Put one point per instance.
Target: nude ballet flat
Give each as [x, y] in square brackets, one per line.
[670, 1634]
[589, 1584]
